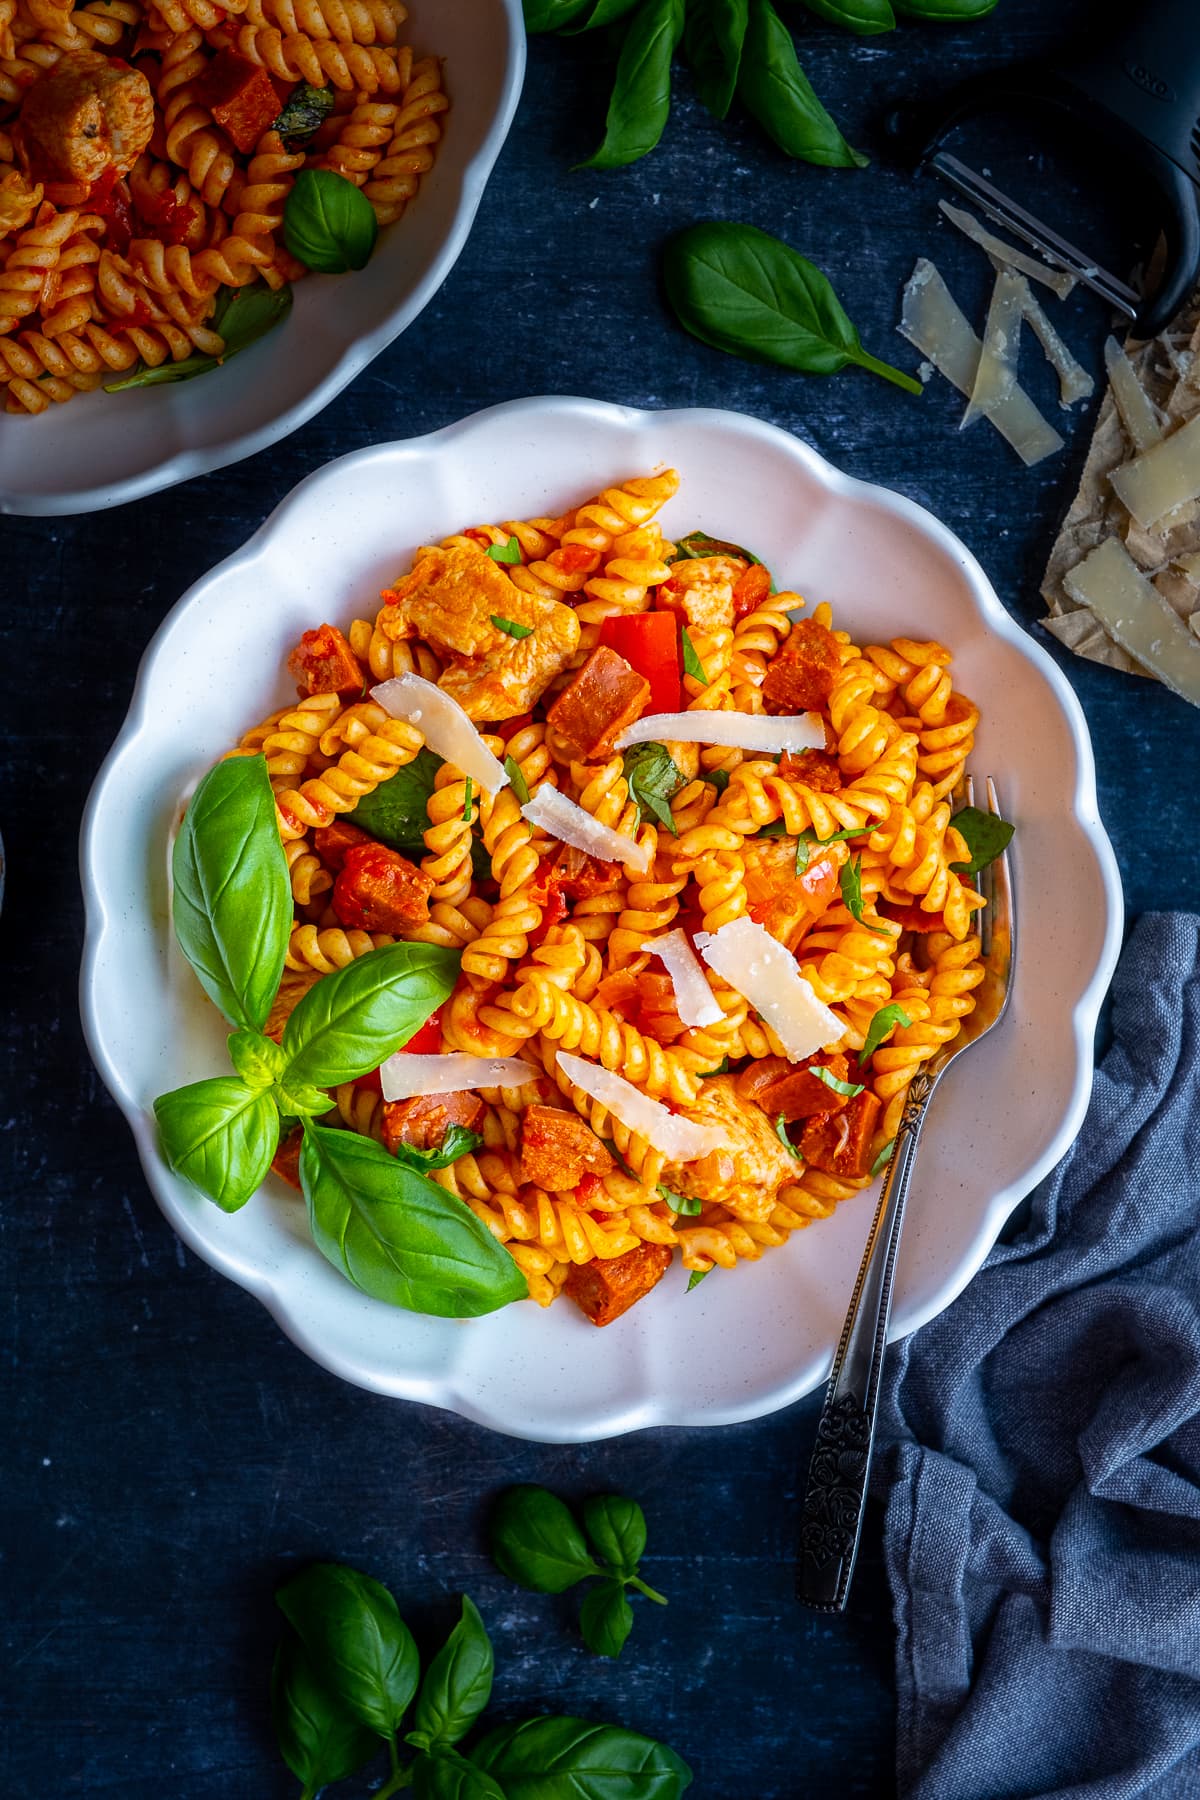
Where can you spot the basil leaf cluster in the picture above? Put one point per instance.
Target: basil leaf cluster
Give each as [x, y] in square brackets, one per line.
[653, 778]
[347, 1672]
[536, 1540]
[378, 1219]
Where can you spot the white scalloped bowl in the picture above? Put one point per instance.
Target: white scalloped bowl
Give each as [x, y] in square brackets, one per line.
[745, 1342]
[104, 449]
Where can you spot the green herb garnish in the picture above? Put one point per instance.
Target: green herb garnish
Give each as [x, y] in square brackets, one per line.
[468, 812]
[680, 1203]
[520, 786]
[504, 553]
[697, 1276]
[885, 1156]
[306, 110]
[457, 1142]
[884, 1021]
[848, 1088]
[396, 811]
[850, 882]
[986, 837]
[510, 628]
[785, 1140]
[653, 778]
[691, 662]
[328, 223]
[242, 316]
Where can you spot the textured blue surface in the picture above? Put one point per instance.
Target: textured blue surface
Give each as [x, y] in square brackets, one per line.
[169, 1454]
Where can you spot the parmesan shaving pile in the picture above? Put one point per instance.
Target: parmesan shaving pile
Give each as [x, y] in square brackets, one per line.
[1140, 491]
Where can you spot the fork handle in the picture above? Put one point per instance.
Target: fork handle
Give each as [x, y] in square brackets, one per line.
[831, 1520]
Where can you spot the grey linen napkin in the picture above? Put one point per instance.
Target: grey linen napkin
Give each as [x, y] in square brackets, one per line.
[1041, 1451]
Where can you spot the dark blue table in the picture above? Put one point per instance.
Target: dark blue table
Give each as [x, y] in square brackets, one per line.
[169, 1454]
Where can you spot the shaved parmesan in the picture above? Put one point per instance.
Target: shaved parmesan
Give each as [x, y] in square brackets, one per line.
[1190, 564]
[444, 726]
[694, 1000]
[679, 1139]
[571, 825]
[402, 1076]
[1139, 415]
[996, 372]
[736, 730]
[759, 967]
[933, 322]
[1057, 280]
[1074, 382]
[1163, 477]
[1133, 611]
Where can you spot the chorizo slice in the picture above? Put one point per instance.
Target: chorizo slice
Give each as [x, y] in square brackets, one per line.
[333, 843]
[605, 1288]
[423, 1120]
[324, 663]
[792, 1089]
[801, 677]
[605, 696]
[839, 1143]
[558, 1149]
[380, 890]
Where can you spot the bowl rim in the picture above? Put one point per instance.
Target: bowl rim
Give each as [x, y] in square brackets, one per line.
[354, 359]
[649, 1411]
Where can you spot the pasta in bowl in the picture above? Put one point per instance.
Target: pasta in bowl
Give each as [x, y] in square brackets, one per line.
[620, 879]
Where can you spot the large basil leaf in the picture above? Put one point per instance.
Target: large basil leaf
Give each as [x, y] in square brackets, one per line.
[397, 1235]
[395, 811]
[233, 903]
[617, 1528]
[551, 15]
[458, 1682]
[319, 1738]
[220, 1135]
[241, 317]
[713, 35]
[747, 293]
[534, 1540]
[350, 1021]
[445, 1775]
[570, 1759]
[946, 12]
[641, 96]
[606, 1618]
[866, 17]
[352, 1629]
[777, 91]
[598, 13]
[328, 223]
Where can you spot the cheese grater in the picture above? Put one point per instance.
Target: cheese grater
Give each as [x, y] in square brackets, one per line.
[1133, 91]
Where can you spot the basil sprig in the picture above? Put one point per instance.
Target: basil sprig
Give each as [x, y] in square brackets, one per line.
[347, 1673]
[713, 36]
[241, 317]
[774, 87]
[809, 841]
[328, 223]
[985, 836]
[457, 1142]
[536, 1540]
[866, 18]
[743, 291]
[641, 96]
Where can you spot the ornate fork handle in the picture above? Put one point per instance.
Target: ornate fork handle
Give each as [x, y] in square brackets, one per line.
[831, 1521]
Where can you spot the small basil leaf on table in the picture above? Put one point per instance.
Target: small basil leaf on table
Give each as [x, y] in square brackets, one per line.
[352, 1630]
[257, 1059]
[220, 1135]
[398, 1236]
[457, 1683]
[540, 1759]
[394, 812]
[774, 87]
[457, 1142]
[445, 1775]
[747, 293]
[551, 15]
[985, 836]
[232, 898]
[328, 223]
[319, 1738]
[713, 35]
[351, 1020]
[866, 17]
[241, 316]
[641, 96]
[535, 1541]
[617, 1528]
[307, 108]
[885, 1019]
[606, 1618]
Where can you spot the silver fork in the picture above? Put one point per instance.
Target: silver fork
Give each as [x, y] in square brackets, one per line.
[831, 1522]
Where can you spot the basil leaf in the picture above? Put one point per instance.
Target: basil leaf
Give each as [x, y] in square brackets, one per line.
[698, 546]
[541, 1758]
[353, 1631]
[510, 628]
[257, 1059]
[653, 778]
[802, 849]
[396, 1235]
[848, 1088]
[713, 35]
[220, 1135]
[351, 1020]
[328, 223]
[606, 1618]
[722, 1068]
[987, 837]
[395, 811]
[681, 1203]
[457, 1141]
[617, 1528]
[458, 1682]
[301, 1100]
[319, 1739]
[445, 1775]
[718, 777]
[773, 86]
[743, 291]
[641, 96]
[520, 786]
[232, 898]
[535, 1541]
[850, 882]
[884, 1158]
[785, 1140]
[551, 15]
[885, 1020]
[509, 552]
[241, 316]
[691, 662]
[697, 1276]
[866, 17]
[468, 811]
[307, 108]
[945, 11]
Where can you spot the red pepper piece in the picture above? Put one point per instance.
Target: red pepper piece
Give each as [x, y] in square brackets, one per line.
[649, 642]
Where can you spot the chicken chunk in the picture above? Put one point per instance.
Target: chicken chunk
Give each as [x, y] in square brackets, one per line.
[90, 114]
[19, 200]
[702, 590]
[746, 1173]
[452, 599]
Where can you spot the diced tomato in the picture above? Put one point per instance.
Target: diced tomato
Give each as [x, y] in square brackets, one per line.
[571, 558]
[588, 1188]
[164, 217]
[427, 1041]
[819, 881]
[240, 96]
[554, 911]
[110, 198]
[649, 642]
[750, 589]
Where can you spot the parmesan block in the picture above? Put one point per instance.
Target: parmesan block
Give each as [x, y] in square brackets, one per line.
[1139, 415]
[933, 322]
[1163, 477]
[761, 970]
[1057, 280]
[1132, 611]
[996, 370]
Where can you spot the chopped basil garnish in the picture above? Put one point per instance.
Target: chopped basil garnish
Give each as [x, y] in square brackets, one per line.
[520, 786]
[986, 838]
[691, 662]
[509, 627]
[884, 1021]
[653, 779]
[505, 553]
